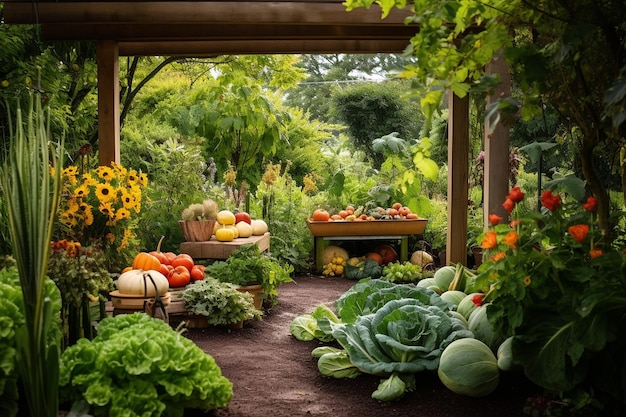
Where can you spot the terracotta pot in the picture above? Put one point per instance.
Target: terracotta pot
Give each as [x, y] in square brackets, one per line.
[197, 230]
[256, 291]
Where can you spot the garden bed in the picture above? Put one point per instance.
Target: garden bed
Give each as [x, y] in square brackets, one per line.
[274, 374]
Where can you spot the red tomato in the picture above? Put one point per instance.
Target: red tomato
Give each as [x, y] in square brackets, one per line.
[164, 269]
[320, 215]
[242, 216]
[197, 273]
[183, 260]
[179, 277]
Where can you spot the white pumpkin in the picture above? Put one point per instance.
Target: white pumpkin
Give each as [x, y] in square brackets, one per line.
[244, 229]
[132, 283]
[259, 227]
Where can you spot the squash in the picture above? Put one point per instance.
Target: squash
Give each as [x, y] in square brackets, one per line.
[132, 283]
[421, 258]
[482, 328]
[224, 234]
[259, 227]
[244, 229]
[443, 276]
[387, 253]
[453, 296]
[145, 261]
[468, 367]
[466, 306]
[226, 217]
[334, 251]
[505, 356]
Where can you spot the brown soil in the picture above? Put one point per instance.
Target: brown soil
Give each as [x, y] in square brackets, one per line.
[274, 374]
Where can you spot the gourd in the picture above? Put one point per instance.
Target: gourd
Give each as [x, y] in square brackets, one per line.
[224, 234]
[334, 251]
[443, 276]
[505, 356]
[466, 306]
[145, 261]
[244, 229]
[132, 283]
[480, 325]
[469, 367]
[421, 258]
[259, 227]
[453, 296]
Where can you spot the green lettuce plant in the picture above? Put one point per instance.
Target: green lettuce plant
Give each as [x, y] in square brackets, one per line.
[138, 365]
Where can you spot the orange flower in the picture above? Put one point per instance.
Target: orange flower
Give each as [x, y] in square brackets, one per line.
[511, 239]
[498, 256]
[490, 240]
[494, 219]
[578, 232]
[596, 253]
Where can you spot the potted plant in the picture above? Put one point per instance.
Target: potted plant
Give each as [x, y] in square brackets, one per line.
[218, 303]
[198, 221]
[252, 271]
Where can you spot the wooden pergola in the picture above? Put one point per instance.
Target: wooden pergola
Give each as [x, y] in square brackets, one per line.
[209, 28]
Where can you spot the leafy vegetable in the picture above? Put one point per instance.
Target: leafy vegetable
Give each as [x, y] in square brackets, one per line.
[368, 268]
[368, 295]
[404, 336]
[337, 364]
[402, 272]
[138, 365]
[306, 328]
[220, 302]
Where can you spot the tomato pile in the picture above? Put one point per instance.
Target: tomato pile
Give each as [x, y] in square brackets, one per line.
[179, 269]
[397, 211]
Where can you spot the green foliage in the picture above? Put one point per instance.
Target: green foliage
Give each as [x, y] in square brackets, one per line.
[402, 272]
[140, 365]
[305, 326]
[220, 302]
[32, 194]
[367, 268]
[246, 266]
[373, 110]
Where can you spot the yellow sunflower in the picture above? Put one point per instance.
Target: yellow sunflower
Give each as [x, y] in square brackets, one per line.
[107, 209]
[105, 192]
[85, 210]
[70, 173]
[143, 179]
[81, 191]
[105, 172]
[132, 178]
[122, 213]
[120, 170]
[128, 199]
[89, 180]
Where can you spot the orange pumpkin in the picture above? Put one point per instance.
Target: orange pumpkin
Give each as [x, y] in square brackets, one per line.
[376, 257]
[145, 261]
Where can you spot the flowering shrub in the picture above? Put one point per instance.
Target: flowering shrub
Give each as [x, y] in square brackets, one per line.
[557, 283]
[97, 207]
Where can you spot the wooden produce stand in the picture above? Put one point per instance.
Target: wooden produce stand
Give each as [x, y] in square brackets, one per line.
[364, 230]
[214, 249]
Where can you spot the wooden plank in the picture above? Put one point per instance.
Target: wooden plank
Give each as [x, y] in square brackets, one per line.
[108, 102]
[254, 47]
[214, 249]
[458, 175]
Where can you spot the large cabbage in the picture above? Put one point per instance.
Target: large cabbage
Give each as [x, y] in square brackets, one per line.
[403, 337]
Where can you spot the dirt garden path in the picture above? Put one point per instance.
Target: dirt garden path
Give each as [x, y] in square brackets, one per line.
[274, 375]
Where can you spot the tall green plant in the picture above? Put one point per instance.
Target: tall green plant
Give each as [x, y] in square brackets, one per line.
[32, 195]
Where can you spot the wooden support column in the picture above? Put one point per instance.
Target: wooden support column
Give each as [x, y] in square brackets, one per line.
[458, 175]
[108, 102]
[497, 169]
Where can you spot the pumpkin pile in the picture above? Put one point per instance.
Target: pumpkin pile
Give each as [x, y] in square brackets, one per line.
[337, 260]
[231, 226]
[178, 270]
[397, 211]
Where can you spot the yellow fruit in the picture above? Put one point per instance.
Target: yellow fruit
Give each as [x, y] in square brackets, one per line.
[226, 217]
[234, 229]
[244, 229]
[224, 234]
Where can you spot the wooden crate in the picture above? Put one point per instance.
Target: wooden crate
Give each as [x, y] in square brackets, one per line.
[214, 249]
[368, 227]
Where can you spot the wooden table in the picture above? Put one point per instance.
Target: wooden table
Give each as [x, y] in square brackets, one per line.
[214, 249]
[364, 230]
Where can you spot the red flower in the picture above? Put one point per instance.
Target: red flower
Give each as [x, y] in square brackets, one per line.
[490, 240]
[596, 253]
[509, 205]
[478, 299]
[494, 219]
[591, 204]
[578, 232]
[516, 194]
[550, 201]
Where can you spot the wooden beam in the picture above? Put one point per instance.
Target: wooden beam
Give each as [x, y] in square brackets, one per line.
[497, 169]
[108, 102]
[205, 12]
[212, 48]
[458, 175]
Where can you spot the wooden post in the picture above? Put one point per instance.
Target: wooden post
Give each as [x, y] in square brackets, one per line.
[458, 176]
[108, 102]
[497, 169]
